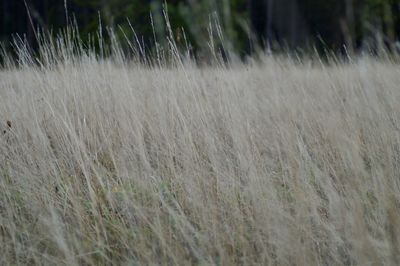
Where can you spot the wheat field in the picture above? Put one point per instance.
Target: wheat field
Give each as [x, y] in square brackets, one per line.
[271, 162]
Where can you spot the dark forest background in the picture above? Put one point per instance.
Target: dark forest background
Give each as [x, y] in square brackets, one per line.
[246, 24]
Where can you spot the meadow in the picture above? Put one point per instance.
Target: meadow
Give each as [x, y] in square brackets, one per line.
[274, 161]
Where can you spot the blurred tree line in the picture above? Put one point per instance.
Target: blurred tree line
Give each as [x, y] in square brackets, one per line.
[243, 25]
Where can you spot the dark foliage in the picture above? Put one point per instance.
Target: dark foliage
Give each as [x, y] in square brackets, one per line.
[275, 24]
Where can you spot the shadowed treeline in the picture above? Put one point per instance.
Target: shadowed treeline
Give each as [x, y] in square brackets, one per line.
[330, 24]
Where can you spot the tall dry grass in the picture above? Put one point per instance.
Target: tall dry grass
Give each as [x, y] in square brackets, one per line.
[273, 162]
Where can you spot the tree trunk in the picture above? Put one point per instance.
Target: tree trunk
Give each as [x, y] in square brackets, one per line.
[279, 21]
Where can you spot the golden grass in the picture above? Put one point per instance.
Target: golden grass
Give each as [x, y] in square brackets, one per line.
[270, 163]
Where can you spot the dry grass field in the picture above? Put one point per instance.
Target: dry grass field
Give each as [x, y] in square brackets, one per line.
[274, 162]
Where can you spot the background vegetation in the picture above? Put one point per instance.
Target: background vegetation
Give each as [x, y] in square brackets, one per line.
[329, 24]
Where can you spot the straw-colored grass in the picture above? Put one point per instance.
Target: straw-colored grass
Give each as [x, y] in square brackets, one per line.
[268, 163]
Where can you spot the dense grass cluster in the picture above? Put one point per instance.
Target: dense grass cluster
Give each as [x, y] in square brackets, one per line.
[274, 162]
